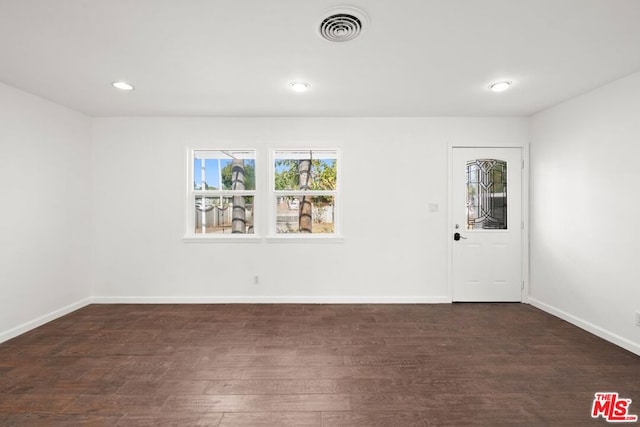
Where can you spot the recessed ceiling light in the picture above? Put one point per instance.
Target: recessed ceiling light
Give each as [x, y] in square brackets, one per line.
[122, 85]
[299, 86]
[500, 86]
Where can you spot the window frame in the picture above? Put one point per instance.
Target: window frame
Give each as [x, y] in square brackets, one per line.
[192, 193]
[273, 195]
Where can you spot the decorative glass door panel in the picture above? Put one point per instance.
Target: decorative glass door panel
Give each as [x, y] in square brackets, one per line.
[486, 194]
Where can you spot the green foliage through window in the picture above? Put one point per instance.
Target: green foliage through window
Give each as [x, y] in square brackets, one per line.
[323, 174]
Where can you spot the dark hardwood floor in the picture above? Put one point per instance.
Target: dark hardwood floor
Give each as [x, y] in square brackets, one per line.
[310, 365]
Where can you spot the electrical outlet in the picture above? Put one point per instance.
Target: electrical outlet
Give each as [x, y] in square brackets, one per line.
[256, 280]
[638, 318]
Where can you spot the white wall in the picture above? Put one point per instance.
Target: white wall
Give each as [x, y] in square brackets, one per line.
[585, 211]
[44, 211]
[139, 181]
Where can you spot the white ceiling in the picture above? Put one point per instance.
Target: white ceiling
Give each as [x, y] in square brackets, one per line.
[237, 57]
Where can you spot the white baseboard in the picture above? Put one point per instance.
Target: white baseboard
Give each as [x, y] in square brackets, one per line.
[271, 300]
[587, 326]
[32, 324]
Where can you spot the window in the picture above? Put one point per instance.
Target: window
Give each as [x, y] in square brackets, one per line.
[305, 192]
[222, 196]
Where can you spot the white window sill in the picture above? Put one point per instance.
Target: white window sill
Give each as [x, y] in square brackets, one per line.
[295, 238]
[304, 238]
[222, 239]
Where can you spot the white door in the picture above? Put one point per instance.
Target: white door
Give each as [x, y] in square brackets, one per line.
[487, 224]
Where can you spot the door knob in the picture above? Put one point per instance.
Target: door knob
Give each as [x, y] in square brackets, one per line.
[457, 236]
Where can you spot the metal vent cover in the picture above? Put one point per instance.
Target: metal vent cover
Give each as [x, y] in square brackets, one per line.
[343, 24]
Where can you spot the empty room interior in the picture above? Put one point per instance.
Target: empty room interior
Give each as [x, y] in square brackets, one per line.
[371, 213]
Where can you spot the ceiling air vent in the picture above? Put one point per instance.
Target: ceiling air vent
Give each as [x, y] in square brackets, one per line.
[343, 24]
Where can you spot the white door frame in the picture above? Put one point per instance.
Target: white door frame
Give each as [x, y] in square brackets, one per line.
[525, 210]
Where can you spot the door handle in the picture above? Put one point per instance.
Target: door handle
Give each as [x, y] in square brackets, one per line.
[458, 236]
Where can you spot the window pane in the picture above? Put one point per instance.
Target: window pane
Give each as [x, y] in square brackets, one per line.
[224, 215]
[224, 170]
[305, 170]
[487, 194]
[302, 214]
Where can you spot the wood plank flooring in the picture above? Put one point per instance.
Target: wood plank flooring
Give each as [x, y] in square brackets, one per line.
[310, 365]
